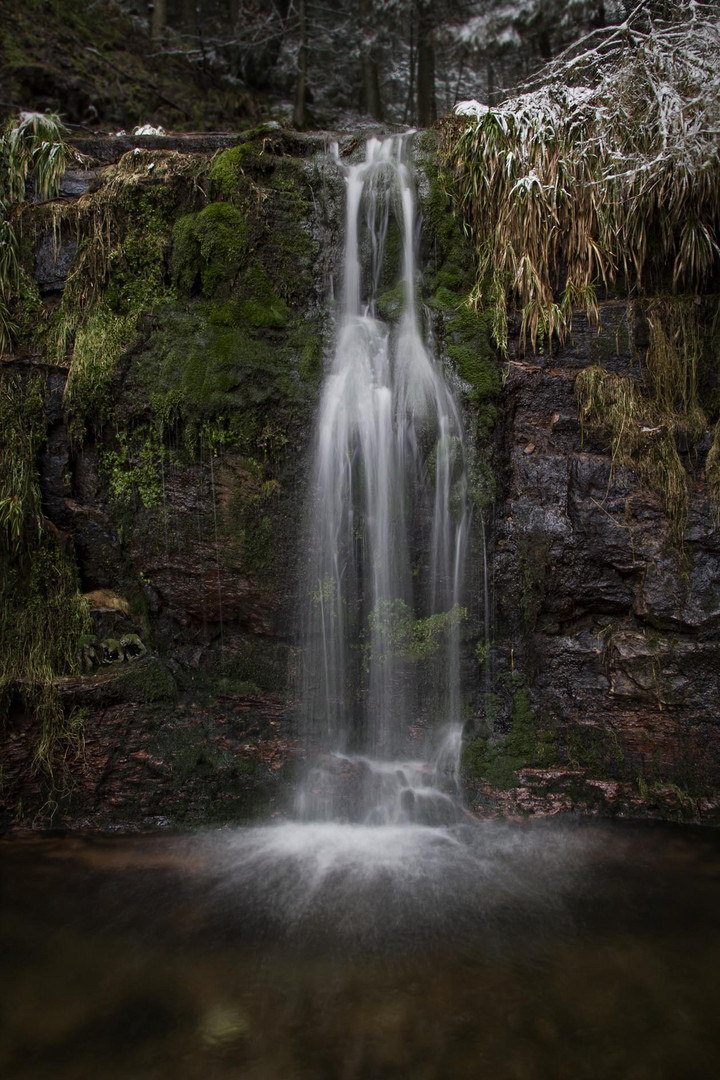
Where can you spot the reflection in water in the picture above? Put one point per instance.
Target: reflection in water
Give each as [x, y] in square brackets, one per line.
[270, 954]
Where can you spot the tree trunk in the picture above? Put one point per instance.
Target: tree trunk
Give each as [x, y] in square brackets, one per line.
[490, 84]
[426, 105]
[410, 102]
[371, 88]
[188, 16]
[371, 80]
[158, 19]
[300, 110]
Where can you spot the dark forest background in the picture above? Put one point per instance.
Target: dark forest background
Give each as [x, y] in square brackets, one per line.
[220, 63]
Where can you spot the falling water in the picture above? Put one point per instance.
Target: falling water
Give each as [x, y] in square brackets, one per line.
[388, 522]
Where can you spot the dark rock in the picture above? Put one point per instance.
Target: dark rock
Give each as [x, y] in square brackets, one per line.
[53, 262]
[616, 633]
[76, 182]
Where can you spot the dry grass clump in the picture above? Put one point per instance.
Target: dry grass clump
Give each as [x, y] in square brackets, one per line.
[642, 437]
[610, 166]
[712, 468]
[673, 361]
[34, 145]
[646, 416]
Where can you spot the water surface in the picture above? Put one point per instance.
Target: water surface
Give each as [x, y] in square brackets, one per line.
[352, 952]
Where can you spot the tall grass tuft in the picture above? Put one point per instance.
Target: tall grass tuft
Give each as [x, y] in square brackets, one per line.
[31, 145]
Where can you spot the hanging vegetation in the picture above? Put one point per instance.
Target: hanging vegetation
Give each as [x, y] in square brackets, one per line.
[712, 467]
[42, 613]
[31, 146]
[641, 435]
[122, 228]
[608, 168]
[647, 417]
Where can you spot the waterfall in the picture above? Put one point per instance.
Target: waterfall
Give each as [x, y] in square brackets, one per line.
[388, 522]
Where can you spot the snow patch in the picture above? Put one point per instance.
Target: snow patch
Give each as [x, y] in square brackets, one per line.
[471, 108]
[148, 129]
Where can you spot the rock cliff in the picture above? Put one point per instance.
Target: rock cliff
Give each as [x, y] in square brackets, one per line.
[178, 393]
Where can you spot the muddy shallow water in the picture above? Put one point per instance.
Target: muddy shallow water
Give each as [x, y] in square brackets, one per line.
[507, 951]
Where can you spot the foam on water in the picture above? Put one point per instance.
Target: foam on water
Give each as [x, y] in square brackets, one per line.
[370, 886]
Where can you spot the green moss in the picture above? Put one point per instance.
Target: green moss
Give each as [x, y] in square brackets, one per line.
[135, 468]
[310, 353]
[444, 298]
[210, 370]
[119, 273]
[255, 155]
[466, 333]
[489, 763]
[136, 268]
[209, 363]
[452, 277]
[147, 680]
[227, 313]
[209, 248]
[99, 344]
[531, 743]
[24, 310]
[227, 168]
[392, 269]
[264, 307]
[472, 368]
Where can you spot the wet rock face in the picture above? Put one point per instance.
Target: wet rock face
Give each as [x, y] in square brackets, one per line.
[179, 491]
[605, 678]
[613, 630]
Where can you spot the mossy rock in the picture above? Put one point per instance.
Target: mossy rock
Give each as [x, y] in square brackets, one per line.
[211, 368]
[390, 304]
[531, 742]
[258, 154]
[229, 167]
[147, 681]
[110, 651]
[263, 307]
[132, 647]
[209, 248]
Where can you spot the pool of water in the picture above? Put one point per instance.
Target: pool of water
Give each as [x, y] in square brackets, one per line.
[495, 950]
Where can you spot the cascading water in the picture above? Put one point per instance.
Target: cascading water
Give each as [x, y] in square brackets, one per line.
[388, 527]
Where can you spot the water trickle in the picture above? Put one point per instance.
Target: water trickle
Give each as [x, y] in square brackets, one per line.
[388, 527]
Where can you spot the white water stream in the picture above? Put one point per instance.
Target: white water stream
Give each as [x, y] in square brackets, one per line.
[388, 530]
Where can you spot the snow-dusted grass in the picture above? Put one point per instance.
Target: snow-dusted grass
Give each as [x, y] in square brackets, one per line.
[607, 166]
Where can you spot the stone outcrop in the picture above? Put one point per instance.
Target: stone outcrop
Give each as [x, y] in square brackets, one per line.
[608, 625]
